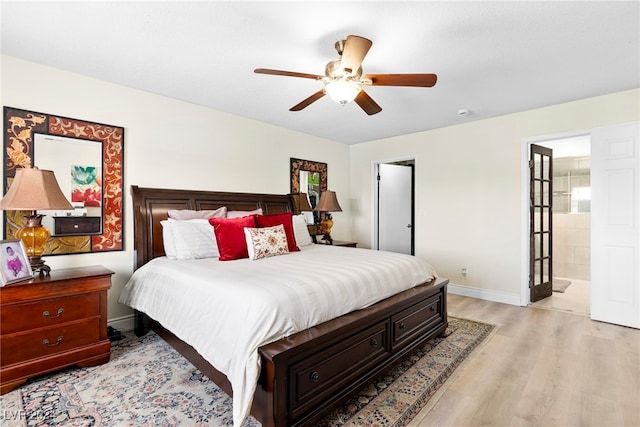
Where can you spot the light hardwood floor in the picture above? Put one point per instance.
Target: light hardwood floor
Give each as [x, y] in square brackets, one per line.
[576, 298]
[540, 367]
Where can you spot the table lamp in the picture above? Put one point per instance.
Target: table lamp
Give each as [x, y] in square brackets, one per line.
[304, 205]
[32, 190]
[328, 203]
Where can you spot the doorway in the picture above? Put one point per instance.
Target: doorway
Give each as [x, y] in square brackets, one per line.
[394, 206]
[614, 230]
[571, 225]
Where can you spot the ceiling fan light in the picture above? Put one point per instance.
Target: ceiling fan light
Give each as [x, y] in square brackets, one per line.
[342, 91]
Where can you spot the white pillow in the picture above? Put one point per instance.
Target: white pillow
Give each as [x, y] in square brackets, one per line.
[300, 231]
[189, 239]
[185, 214]
[266, 241]
[239, 214]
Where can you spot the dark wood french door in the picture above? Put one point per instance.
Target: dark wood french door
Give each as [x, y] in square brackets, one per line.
[541, 209]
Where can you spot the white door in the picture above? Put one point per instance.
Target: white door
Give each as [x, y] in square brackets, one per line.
[615, 233]
[395, 208]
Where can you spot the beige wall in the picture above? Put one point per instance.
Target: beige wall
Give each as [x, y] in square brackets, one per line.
[468, 188]
[572, 246]
[171, 144]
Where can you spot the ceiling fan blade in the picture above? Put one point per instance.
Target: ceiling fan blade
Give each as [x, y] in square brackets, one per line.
[287, 73]
[367, 103]
[308, 101]
[354, 51]
[421, 80]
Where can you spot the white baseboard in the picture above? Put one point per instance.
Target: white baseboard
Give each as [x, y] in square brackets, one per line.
[123, 324]
[495, 296]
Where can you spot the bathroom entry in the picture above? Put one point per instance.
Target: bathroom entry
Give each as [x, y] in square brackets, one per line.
[570, 224]
[610, 207]
[394, 217]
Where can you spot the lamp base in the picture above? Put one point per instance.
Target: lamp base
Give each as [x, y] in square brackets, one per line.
[38, 266]
[34, 236]
[327, 238]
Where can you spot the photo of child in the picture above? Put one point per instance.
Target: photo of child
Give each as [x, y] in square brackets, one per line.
[15, 266]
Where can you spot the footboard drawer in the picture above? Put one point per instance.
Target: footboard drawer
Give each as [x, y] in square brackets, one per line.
[416, 320]
[330, 369]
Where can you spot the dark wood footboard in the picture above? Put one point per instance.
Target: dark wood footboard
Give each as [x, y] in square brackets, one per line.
[309, 373]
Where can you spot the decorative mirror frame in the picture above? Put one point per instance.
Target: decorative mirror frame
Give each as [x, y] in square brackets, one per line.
[20, 127]
[306, 165]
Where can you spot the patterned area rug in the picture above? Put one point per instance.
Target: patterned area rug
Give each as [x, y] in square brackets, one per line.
[147, 383]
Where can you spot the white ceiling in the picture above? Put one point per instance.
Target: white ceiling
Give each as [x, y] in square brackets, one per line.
[492, 58]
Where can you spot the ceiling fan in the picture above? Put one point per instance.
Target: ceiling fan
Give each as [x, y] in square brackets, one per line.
[343, 77]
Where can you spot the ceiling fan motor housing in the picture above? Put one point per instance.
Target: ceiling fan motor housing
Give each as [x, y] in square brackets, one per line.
[334, 71]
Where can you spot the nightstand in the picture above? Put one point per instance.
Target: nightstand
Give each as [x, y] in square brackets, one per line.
[345, 244]
[52, 322]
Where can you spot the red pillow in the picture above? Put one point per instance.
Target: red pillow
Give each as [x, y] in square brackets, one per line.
[286, 219]
[230, 236]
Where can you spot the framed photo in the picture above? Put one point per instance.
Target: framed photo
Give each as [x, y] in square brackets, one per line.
[14, 264]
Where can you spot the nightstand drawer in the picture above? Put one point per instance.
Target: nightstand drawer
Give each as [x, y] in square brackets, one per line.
[45, 342]
[42, 314]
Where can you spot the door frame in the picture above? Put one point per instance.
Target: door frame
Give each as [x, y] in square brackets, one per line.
[374, 194]
[525, 148]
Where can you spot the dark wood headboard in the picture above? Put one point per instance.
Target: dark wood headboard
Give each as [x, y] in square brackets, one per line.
[150, 206]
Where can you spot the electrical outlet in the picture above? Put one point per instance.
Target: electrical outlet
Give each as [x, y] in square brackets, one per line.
[463, 272]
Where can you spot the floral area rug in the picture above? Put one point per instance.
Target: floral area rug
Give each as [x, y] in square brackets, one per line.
[147, 383]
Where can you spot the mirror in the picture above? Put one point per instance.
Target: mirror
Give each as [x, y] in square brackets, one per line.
[77, 164]
[310, 178]
[87, 159]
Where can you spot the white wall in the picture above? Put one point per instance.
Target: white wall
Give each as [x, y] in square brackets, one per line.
[171, 144]
[468, 192]
[467, 176]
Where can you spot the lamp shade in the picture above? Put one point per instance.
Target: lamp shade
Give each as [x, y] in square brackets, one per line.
[34, 189]
[328, 202]
[304, 203]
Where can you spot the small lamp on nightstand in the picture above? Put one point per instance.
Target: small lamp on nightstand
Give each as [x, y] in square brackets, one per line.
[328, 203]
[32, 190]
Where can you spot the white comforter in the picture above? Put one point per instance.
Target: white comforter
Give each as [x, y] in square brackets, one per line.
[227, 309]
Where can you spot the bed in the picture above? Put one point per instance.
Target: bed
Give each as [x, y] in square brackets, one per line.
[305, 371]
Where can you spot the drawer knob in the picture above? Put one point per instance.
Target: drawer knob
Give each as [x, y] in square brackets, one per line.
[432, 308]
[48, 344]
[46, 314]
[401, 326]
[315, 376]
[373, 342]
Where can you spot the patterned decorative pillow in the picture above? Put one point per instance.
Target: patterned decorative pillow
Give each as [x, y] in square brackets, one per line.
[267, 241]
